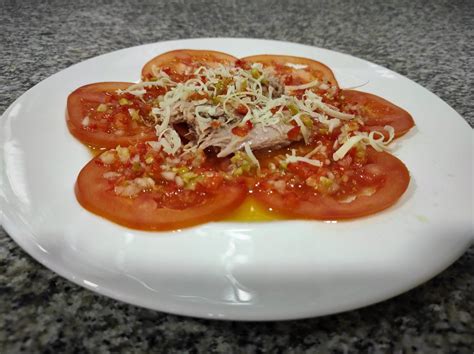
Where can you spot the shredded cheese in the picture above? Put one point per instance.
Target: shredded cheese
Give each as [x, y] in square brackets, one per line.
[293, 158]
[134, 187]
[251, 155]
[375, 139]
[170, 141]
[314, 151]
[344, 149]
[296, 66]
[303, 86]
[258, 104]
[304, 131]
[224, 91]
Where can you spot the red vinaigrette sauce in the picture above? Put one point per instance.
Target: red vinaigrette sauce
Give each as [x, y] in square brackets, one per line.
[250, 210]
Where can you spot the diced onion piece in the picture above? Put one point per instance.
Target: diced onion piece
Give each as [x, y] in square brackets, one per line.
[107, 157]
[324, 86]
[135, 158]
[155, 145]
[168, 175]
[333, 123]
[85, 121]
[134, 187]
[179, 181]
[111, 175]
[123, 154]
[279, 185]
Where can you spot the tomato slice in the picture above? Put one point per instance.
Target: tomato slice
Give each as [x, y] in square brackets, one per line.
[96, 117]
[376, 185]
[295, 70]
[377, 111]
[184, 61]
[129, 186]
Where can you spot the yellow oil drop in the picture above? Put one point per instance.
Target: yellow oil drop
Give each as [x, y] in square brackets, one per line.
[250, 211]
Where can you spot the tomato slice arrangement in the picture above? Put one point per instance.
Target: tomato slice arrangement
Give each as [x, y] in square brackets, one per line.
[327, 158]
[99, 117]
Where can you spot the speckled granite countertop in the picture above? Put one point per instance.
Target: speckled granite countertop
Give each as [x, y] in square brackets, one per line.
[431, 43]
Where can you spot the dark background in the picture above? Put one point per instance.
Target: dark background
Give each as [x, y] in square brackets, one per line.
[432, 43]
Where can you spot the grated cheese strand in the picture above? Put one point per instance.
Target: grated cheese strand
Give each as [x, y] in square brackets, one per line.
[251, 155]
[344, 149]
[293, 158]
[378, 143]
[314, 151]
[223, 89]
[303, 86]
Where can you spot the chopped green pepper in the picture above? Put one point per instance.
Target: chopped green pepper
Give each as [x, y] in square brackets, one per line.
[149, 160]
[102, 107]
[293, 108]
[215, 100]
[360, 151]
[241, 163]
[221, 85]
[136, 167]
[255, 73]
[243, 85]
[123, 101]
[307, 120]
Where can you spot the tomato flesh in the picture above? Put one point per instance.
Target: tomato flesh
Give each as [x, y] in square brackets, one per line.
[180, 63]
[356, 188]
[376, 111]
[136, 192]
[99, 117]
[294, 133]
[242, 130]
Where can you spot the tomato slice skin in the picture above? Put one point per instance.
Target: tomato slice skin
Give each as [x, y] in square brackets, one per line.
[324, 207]
[98, 93]
[178, 61]
[378, 112]
[96, 194]
[314, 69]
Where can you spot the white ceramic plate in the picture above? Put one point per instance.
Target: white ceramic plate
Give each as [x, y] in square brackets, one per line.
[242, 271]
